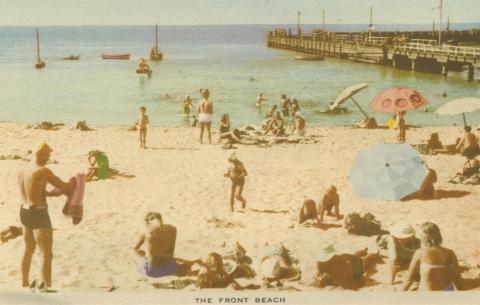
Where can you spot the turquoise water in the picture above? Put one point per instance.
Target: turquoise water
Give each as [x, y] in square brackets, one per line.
[222, 58]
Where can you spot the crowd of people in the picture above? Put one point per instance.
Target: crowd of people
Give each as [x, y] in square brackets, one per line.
[427, 261]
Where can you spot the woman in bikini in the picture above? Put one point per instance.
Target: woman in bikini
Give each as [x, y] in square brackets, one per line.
[205, 115]
[237, 174]
[436, 265]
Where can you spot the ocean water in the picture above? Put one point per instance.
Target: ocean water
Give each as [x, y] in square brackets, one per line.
[220, 58]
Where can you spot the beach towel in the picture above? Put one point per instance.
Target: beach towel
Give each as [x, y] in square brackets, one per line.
[74, 205]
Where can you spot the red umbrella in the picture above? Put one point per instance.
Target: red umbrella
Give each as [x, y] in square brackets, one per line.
[398, 99]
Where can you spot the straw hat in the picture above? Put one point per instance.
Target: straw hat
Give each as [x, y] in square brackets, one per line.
[271, 267]
[327, 253]
[402, 230]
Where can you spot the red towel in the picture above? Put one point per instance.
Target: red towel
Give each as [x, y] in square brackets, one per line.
[74, 205]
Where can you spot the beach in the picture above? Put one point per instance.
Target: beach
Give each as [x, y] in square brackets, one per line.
[183, 180]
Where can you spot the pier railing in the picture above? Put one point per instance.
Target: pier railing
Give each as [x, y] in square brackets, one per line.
[446, 50]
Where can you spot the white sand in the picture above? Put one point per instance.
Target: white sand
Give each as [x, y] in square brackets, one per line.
[183, 181]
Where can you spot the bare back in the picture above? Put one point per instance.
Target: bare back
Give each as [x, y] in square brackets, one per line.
[160, 242]
[32, 183]
[470, 140]
[438, 268]
[206, 106]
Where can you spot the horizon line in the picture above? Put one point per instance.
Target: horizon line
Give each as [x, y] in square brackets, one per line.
[226, 24]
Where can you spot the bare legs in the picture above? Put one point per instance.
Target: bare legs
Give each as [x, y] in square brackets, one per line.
[236, 192]
[27, 255]
[44, 239]
[202, 127]
[143, 137]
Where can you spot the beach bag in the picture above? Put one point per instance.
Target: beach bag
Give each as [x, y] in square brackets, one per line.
[365, 225]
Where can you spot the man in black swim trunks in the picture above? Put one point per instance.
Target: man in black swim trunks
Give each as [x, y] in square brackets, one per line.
[37, 228]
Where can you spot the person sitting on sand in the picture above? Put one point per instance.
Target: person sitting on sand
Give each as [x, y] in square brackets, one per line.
[260, 100]
[100, 167]
[142, 126]
[275, 125]
[159, 240]
[401, 246]
[205, 115]
[426, 191]
[270, 114]
[299, 124]
[187, 105]
[225, 133]
[468, 145]
[434, 144]
[437, 266]
[194, 122]
[308, 212]
[330, 200]
[471, 168]
[343, 269]
[34, 216]
[237, 174]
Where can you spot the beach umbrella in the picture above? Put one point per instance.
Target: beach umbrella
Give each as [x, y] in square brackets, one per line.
[398, 99]
[348, 93]
[387, 171]
[460, 106]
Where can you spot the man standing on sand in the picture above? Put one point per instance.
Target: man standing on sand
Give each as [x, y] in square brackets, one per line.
[37, 227]
[142, 126]
[205, 115]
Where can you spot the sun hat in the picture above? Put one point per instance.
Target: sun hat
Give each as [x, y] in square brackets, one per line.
[271, 268]
[402, 230]
[327, 253]
[232, 157]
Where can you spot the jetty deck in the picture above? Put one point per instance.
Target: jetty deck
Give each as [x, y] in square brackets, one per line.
[416, 51]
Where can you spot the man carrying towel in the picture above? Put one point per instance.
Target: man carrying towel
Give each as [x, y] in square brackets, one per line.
[37, 227]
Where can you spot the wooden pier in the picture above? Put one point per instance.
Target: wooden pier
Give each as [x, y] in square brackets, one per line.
[416, 51]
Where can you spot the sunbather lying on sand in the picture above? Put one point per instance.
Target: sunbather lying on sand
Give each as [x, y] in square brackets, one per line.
[159, 240]
[330, 200]
[276, 265]
[341, 269]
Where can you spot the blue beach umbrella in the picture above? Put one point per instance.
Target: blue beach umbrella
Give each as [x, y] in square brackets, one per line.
[387, 171]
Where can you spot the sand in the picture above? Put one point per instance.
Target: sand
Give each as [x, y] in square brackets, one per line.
[184, 181]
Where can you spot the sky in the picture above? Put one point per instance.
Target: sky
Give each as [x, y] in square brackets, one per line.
[198, 12]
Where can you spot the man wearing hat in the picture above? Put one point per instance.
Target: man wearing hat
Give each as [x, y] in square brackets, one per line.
[401, 247]
[37, 227]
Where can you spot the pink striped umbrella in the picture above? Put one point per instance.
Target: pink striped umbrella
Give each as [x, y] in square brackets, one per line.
[398, 99]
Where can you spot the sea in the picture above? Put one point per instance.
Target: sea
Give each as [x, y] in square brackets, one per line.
[232, 61]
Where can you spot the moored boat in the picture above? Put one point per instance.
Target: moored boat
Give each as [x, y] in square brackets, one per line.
[39, 64]
[155, 53]
[116, 56]
[309, 57]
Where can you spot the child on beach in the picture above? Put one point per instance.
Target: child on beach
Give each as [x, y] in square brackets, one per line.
[194, 122]
[237, 174]
[330, 200]
[142, 126]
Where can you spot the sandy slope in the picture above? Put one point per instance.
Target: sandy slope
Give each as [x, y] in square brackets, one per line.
[183, 180]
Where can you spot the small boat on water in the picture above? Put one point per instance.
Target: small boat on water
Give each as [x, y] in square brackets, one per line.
[39, 64]
[155, 53]
[71, 57]
[309, 57]
[116, 56]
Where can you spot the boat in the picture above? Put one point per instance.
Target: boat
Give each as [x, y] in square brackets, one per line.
[39, 64]
[155, 53]
[71, 57]
[309, 57]
[116, 56]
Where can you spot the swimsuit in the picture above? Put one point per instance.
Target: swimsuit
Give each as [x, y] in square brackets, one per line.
[205, 117]
[149, 270]
[103, 170]
[423, 266]
[35, 217]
